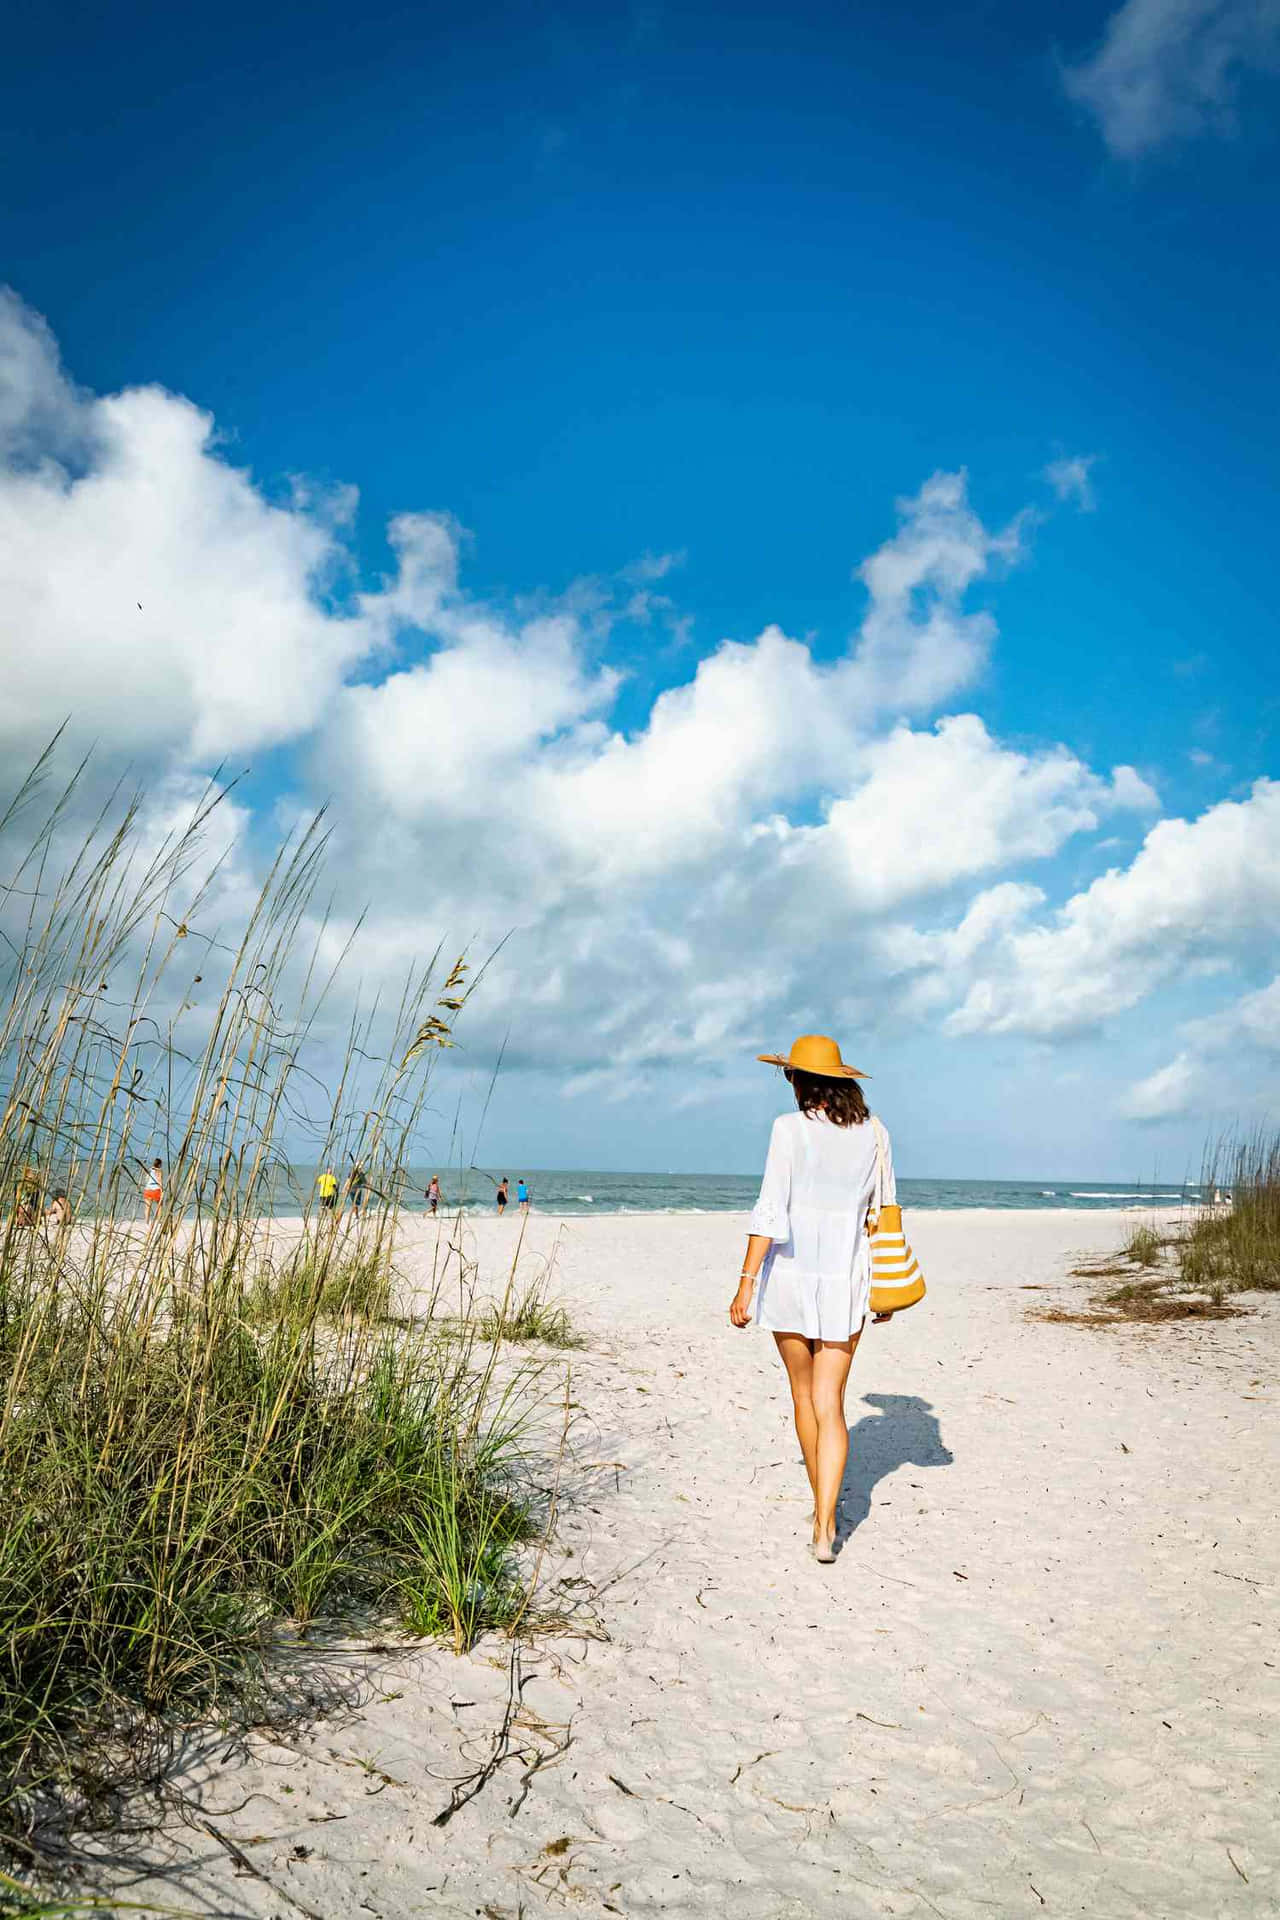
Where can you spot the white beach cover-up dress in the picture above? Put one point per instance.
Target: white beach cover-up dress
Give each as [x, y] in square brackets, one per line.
[819, 1180]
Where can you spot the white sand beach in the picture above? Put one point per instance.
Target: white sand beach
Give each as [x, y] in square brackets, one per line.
[1041, 1676]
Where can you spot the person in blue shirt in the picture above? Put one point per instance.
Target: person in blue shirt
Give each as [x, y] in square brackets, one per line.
[522, 1195]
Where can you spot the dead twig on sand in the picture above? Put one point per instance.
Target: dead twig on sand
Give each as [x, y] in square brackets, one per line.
[503, 1749]
[473, 1783]
[744, 1764]
[540, 1760]
[244, 1864]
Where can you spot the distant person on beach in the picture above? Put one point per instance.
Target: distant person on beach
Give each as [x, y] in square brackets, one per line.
[433, 1192]
[26, 1209]
[58, 1211]
[810, 1252]
[327, 1188]
[522, 1195]
[153, 1191]
[356, 1183]
[503, 1195]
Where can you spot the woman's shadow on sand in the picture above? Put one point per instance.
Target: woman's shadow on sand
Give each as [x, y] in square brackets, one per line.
[903, 1433]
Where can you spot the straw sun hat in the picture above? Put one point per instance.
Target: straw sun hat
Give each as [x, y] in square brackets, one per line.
[815, 1053]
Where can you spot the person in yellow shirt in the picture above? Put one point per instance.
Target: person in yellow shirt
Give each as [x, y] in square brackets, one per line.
[327, 1184]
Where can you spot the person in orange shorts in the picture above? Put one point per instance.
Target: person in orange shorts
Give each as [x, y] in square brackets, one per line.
[153, 1190]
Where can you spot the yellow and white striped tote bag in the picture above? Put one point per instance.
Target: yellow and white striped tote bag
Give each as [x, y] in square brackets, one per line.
[896, 1279]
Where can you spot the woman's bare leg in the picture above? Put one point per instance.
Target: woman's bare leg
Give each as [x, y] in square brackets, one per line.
[828, 1373]
[797, 1358]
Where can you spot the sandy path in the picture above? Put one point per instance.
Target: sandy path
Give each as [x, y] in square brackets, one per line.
[1041, 1676]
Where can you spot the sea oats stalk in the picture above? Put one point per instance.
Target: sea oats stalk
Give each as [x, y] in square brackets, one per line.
[211, 1431]
[1234, 1243]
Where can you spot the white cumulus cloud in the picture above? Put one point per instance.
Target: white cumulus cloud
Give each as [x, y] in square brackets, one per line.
[1170, 69]
[1197, 892]
[1248, 1024]
[148, 587]
[784, 838]
[943, 806]
[1231, 1054]
[505, 723]
[1163, 1095]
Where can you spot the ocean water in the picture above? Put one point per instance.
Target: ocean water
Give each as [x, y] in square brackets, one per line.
[574, 1193]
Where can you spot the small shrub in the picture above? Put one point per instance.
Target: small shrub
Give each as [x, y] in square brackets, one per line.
[1143, 1247]
[531, 1317]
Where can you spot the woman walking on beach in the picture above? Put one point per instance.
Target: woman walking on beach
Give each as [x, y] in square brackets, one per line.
[810, 1254]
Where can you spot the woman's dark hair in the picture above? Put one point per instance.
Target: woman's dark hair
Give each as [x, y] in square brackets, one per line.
[841, 1100]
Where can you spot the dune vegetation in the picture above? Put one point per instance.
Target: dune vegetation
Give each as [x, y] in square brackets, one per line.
[1228, 1244]
[1234, 1247]
[213, 1435]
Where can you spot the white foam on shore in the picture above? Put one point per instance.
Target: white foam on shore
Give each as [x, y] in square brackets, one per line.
[1143, 1193]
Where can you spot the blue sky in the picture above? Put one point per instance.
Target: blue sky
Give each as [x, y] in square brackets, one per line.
[607, 283]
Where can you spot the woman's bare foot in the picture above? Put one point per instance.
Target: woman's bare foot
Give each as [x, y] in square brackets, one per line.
[824, 1548]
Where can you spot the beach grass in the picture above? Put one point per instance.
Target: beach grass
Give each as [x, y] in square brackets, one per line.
[1143, 1247]
[530, 1315]
[1229, 1245]
[209, 1437]
[325, 1275]
[17, 1902]
[1234, 1246]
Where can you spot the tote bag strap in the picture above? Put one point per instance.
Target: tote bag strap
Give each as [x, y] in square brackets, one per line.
[882, 1178]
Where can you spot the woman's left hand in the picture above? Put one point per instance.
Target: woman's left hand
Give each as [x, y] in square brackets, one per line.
[740, 1305]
